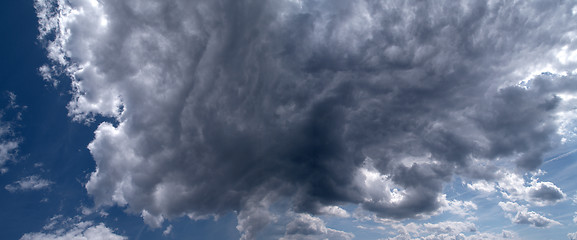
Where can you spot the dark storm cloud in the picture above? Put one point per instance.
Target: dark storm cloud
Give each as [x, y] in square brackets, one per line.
[220, 103]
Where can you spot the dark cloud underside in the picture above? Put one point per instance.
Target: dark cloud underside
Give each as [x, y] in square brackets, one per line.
[220, 103]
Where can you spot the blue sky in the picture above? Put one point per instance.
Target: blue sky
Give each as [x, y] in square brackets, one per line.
[288, 120]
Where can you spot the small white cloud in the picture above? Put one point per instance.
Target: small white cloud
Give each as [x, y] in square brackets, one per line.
[72, 229]
[47, 74]
[334, 211]
[450, 227]
[167, 231]
[461, 208]
[512, 186]
[89, 211]
[572, 236]
[482, 185]
[86, 211]
[521, 215]
[445, 230]
[29, 183]
[9, 142]
[52, 222]
[574, 199]
[154, 221]
[8, 148]
[12, 103]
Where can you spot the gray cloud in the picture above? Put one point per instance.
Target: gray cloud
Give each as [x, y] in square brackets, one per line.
[546, 192]
[218, 103]
[521, 215]
[253, 218]
[305, 226]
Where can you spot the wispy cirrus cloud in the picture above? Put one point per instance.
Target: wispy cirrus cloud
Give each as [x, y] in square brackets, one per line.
[10, 115]
[30, 183]
[73, 228]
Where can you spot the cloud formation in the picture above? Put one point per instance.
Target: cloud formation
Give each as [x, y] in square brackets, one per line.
[446, 231]
[572, 236]
[514, 186]
[10, 114]
[216, 105]
[521, 215]
[545, 193]
[30, 183]
[305, 226]
[73, 229]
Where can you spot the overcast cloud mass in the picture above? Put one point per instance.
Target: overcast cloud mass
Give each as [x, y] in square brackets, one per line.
[283, 111]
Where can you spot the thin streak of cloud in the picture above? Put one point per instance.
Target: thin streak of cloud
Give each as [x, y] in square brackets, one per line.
[30, 183]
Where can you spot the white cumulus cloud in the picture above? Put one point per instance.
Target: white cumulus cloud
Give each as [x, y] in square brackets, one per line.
[73, 229]
[514, 186]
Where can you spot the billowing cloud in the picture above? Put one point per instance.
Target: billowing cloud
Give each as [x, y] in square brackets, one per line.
[29, 183]
[520, 214]
[72, 229]
[216, 105]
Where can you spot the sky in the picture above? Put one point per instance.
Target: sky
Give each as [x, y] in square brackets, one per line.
[288, 119]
